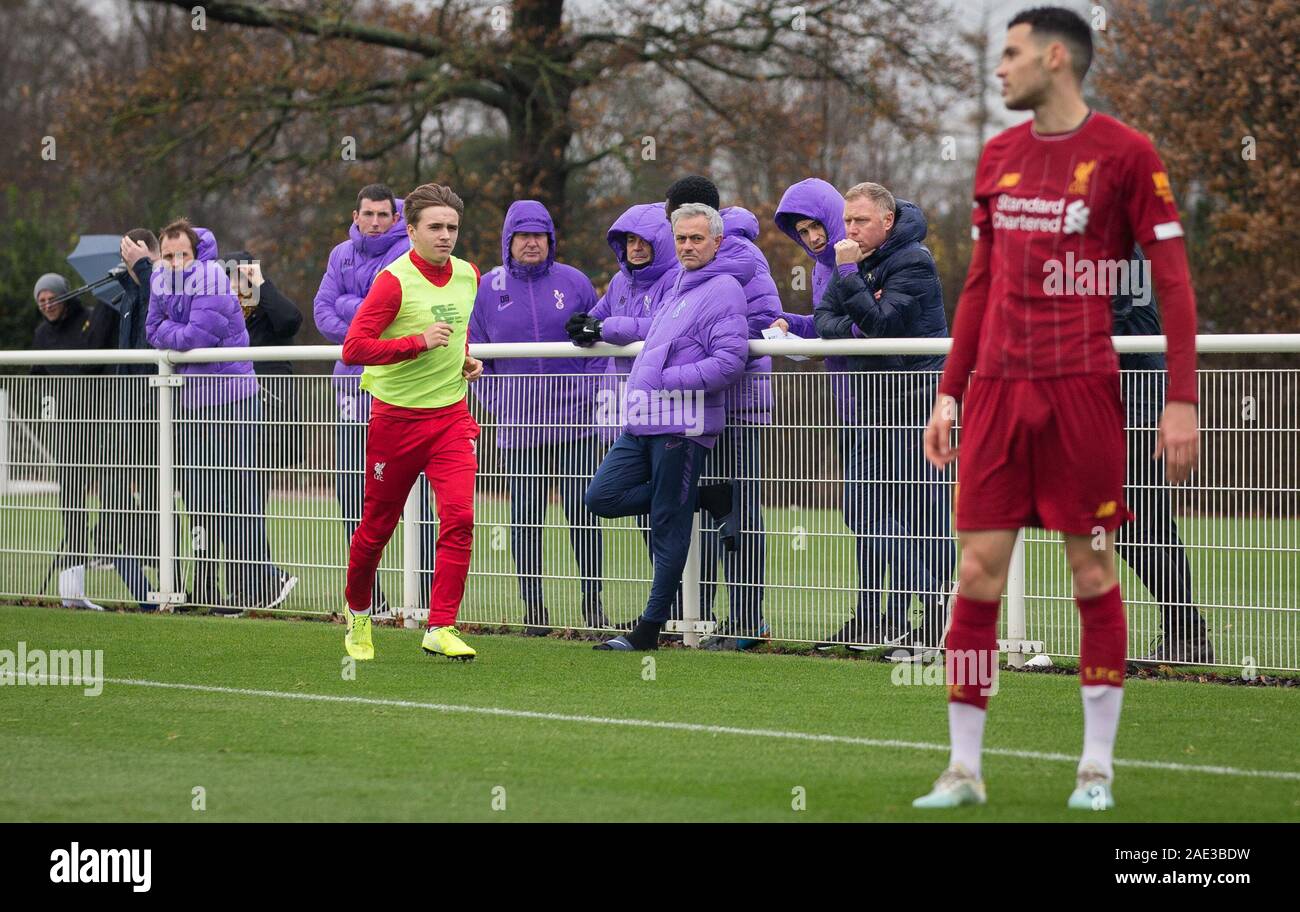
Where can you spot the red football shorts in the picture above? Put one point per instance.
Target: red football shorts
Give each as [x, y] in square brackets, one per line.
[1047, 454]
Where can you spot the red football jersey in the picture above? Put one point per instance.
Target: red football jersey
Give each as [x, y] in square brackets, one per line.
[1063, 212]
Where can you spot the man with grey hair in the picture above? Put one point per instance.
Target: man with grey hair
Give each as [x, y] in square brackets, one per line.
[694, 353]
[895, 502]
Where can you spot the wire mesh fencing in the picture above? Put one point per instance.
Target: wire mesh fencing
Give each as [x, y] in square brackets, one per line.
[845, 531]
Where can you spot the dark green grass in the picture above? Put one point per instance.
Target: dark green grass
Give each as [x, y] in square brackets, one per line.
[137, 753]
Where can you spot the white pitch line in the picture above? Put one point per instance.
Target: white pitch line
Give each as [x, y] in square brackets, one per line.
[682, 726]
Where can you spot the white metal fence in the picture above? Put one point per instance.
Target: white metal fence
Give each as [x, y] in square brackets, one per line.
[840, 516]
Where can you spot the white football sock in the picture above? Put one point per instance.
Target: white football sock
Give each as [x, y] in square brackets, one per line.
[1101, 704]
[966, 728]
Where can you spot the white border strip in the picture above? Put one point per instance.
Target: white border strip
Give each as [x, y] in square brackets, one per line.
[689, 727]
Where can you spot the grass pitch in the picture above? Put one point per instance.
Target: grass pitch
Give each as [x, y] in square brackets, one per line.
[270, 729]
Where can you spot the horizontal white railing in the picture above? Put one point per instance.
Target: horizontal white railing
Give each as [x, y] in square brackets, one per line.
[1218, 343]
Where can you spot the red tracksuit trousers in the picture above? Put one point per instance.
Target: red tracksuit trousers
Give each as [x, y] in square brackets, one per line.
[400, 444]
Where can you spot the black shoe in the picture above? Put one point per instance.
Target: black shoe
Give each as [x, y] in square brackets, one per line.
[719, 501]
[1187, 650]
[862, 637]
[535, 621]
[727, 638]
[644, 637]
[934, 620]
[278, 592]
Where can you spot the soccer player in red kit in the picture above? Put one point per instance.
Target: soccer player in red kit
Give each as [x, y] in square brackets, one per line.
[1059, 201]
[411, 334]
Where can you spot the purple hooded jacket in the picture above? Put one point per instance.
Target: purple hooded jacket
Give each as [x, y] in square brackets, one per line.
[817, 199]
[195, 308]
[751, 400]
[634, 295]
[697, 344]
[349, 274]
[519, 303]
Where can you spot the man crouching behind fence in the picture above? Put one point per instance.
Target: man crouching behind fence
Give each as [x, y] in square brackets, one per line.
[695, 350]
[417, 373]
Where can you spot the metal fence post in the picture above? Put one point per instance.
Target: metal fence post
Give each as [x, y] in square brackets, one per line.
[167, 595]
[691, 588]
[4, 441]
[1016, 603]
[411, 554]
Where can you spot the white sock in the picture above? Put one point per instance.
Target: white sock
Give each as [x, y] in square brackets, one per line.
[966, 728]
[1101, 704]
[360, 613]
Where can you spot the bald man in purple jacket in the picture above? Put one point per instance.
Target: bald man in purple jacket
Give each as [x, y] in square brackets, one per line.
[544, 420]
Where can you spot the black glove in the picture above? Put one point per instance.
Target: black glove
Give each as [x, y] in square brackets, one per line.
[576, 322]
[583, 330]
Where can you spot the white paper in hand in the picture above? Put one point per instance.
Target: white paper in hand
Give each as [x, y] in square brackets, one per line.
[775, 332]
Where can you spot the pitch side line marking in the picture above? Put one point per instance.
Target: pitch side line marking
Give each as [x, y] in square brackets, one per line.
[682, 726]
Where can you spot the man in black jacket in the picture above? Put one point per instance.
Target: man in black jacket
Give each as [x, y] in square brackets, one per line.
[896, 503]
[128, 530]
[1150, 543]
[71, 411]
[271, 319]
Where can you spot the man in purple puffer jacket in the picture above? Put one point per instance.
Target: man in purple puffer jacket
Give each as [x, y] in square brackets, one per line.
[191, 306]
[544, 422]
[642, 241]
[376, 238]
[737, 459]
[694, 353]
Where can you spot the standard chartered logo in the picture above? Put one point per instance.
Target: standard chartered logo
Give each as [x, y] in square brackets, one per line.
[1076, 217]
[1034, 213]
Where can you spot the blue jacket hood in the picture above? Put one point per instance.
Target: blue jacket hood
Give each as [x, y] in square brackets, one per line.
[527, 216]
[910, 227]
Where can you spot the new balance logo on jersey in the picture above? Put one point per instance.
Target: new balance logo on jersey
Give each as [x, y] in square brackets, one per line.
[446, 313]
[1076, 218]
[379, 470]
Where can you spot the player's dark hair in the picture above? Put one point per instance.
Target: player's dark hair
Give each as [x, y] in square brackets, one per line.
[1067, 26]
[145, 236]
[377, 193]
[691, 189]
